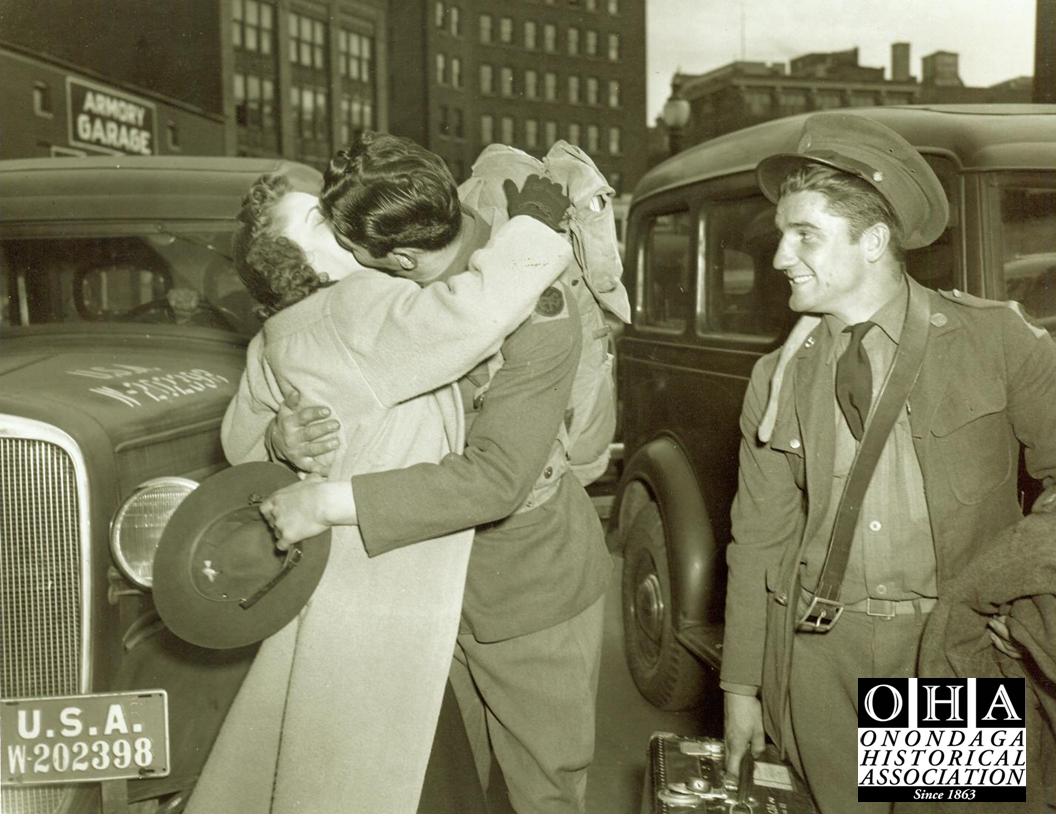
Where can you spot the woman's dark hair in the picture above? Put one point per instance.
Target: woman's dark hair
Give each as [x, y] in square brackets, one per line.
[273, 268]
[386, 191]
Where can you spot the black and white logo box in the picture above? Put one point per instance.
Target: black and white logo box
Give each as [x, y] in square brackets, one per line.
[941, 739]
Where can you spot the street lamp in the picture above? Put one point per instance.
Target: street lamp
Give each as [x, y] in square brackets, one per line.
[676, 117]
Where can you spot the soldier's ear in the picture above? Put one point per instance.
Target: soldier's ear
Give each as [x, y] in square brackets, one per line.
[875, 241]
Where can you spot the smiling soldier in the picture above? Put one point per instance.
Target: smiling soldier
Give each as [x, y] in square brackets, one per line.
[885, 460]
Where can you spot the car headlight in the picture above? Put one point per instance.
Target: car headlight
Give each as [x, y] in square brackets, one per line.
[138, 525]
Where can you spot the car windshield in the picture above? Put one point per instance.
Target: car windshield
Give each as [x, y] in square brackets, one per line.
[129, 273]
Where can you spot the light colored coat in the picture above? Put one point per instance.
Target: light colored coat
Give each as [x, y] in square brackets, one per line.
[338, 711]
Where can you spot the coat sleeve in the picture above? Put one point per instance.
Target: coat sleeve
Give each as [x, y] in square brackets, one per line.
[506, 448]
[1030, 360]
[423, 338]
[254, 406]
[767, 516]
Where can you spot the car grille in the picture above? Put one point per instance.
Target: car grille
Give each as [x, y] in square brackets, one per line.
[42, 591]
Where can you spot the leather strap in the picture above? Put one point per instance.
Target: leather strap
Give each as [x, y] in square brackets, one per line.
[825, 608]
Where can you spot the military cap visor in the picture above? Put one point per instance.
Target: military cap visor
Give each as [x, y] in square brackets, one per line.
[879, 156]
[219, 582]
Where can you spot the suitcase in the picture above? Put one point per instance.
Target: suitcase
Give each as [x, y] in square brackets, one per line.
[687, 775]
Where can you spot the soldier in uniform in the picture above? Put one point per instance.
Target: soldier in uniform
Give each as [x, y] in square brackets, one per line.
[526, 663]
[852, 198]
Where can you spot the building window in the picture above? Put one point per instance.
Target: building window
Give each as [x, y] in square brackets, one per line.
[307, 42]
[592, 90]
[458, 129]
[456, 72]
[573, 132]
[549, 133]
[591, 5]
[357, 115]
[253, 27]
[438, 13]
[254, 101]
[485, 28]
[529, 34]
[531, 84]
[507, 130]
[506, 30]
[487, 129]
[487, 79]
[531, 133]
[172, 134]
[308, 105]
[614, 47]
[614, 93]
[549, 38]
[593, 142]
[443, 124]
[614, 7]
[862, 99]
[573, 90]
[591, 43]
[355, 55]
[793, 100]
[441, 69]
[550, 86]
[42, 100]
[506, 82]
[828, 99]
[454, 21]
[614, 141]
[573, 41]
[757, 101]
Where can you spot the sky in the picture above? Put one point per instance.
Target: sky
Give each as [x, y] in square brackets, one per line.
[995, 38]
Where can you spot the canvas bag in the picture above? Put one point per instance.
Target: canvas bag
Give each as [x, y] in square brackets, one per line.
[591, 418]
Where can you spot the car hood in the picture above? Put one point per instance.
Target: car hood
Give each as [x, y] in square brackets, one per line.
[130, 392]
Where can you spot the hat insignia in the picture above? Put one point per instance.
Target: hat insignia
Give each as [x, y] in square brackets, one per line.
[878, 176]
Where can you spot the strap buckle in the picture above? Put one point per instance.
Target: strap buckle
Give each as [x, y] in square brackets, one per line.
[877, 608]
[820, 616]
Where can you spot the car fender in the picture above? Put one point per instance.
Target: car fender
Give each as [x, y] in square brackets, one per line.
[660, 470]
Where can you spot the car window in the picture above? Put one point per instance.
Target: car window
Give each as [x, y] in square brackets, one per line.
[663, 273]
[742, 294]
[114, 275]
[1028, 243]
[936, 265]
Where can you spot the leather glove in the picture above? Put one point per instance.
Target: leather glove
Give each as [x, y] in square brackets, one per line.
[540, 198]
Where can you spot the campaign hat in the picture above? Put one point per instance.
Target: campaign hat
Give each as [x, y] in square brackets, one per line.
[219, 582]
[876, 154]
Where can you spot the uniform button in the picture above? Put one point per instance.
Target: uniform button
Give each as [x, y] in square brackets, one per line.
[881, 589]
[956, 292]
[794, 444]
[548, 472]
[938, 319]
[575, 282]
[875, 526]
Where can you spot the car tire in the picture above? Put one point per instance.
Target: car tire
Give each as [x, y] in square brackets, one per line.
[664, 671]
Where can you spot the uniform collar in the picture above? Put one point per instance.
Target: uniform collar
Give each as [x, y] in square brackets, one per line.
[890, 317]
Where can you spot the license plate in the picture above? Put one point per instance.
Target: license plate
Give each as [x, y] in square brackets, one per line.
[85, 737]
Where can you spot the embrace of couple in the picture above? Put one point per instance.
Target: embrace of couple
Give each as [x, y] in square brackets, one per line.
[419, 366]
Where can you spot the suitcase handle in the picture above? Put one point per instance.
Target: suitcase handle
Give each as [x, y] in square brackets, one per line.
[745, 781]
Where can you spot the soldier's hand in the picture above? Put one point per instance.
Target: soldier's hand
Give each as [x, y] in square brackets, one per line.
[744, 729]
[304, 437]
[300, 511]
[540, 198]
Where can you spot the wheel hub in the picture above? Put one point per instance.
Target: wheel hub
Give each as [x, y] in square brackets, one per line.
[649, 606]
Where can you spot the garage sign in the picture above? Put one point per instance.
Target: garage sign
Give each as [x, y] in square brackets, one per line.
[109, 120]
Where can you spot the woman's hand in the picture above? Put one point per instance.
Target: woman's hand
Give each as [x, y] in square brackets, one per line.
[307, 508]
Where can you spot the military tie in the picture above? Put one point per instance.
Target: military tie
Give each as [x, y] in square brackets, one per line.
[854, 380]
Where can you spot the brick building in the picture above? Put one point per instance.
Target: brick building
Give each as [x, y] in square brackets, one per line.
[465, 73]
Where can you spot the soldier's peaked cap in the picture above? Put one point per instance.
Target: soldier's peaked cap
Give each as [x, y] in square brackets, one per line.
[879, 156]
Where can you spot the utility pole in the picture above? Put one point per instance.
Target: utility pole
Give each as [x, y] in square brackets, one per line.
[1045, 52]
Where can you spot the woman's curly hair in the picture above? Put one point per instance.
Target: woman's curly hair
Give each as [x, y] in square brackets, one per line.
[273, 268]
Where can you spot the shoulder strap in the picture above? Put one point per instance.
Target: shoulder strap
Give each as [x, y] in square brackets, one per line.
[825, 608]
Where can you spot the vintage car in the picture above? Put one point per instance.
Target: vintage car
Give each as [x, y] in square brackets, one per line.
[707, 306]
[122, 337]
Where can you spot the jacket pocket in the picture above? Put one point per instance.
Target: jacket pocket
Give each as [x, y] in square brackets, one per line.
[786, 439]
[974, 438]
